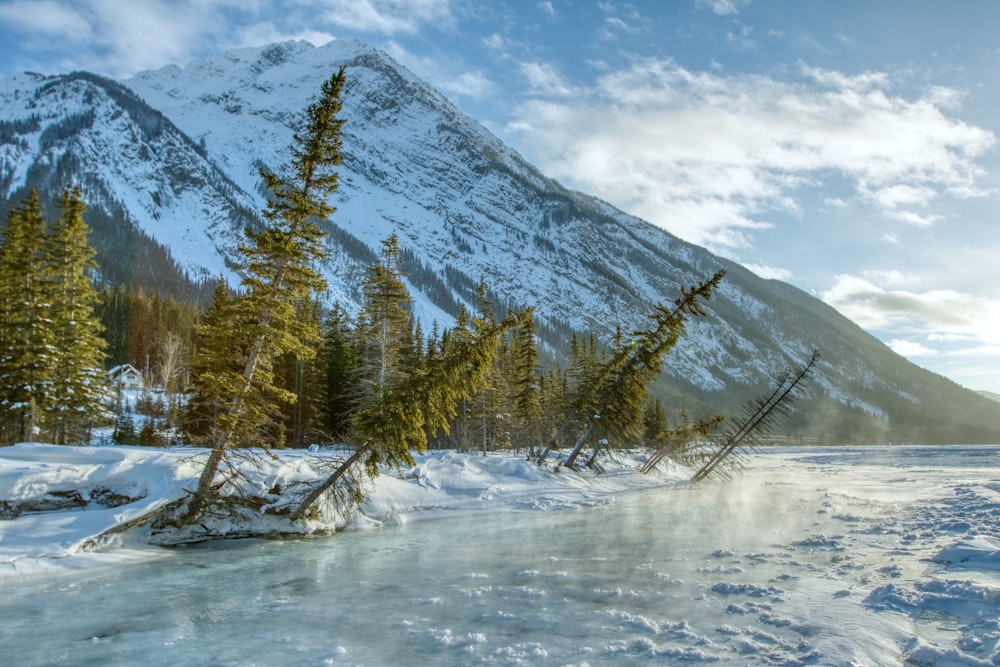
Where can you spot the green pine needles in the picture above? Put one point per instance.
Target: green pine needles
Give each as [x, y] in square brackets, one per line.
[52, 383]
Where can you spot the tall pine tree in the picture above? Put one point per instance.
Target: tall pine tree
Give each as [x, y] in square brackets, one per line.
[26, 337]
[78, 380]
[216, 362]
[384, 332]
[279, 273]
[337, 362]
[526, 386]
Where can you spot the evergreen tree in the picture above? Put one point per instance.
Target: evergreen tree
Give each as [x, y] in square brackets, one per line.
[525, 384]
[395, 421]
[79, 383]
[26, 335]
[614, 399]
[148, 434]
[278, 265]
[460, 431]
[654, 422]
[384, 332]
[300, 374]
[125, 433]
[487, 413]
[217, 351]
[338, 361]
[113, 309]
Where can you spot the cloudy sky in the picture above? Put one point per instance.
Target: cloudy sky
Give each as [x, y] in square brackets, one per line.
[849, 148]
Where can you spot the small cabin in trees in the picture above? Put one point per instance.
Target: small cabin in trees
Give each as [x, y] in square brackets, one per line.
[126, 378]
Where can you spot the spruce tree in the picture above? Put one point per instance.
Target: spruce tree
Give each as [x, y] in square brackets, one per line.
[384, 332]
[300, 374]
[395, 421]
[613, 399]
[337, 361]
[78, 383]
[526, 385]
[279, 273]
[26, 336]
[218, 349]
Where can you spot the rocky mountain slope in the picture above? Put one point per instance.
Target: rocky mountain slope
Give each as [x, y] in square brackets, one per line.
[169, 163]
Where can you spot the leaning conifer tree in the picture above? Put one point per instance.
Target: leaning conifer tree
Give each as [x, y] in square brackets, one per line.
[26, 341]
[395, 421]
[278, 273]
[78, 381]
[615, 389]
[755, 423]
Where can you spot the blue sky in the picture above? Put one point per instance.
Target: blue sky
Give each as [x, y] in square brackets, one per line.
[849, 148]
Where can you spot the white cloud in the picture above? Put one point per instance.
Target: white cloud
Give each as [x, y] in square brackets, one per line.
[45, 18]
[388, 17]
[950, 332]
[545, 80]
[721, 7]
[908, 348]
[950, 338]
[494, 42]
[474, 85]
[119, 38]
[770, 272]
[742, 39]
[912, 218]
[944, 98]
[946, 314]
[621, 21]
[707, 155]
[891, 277]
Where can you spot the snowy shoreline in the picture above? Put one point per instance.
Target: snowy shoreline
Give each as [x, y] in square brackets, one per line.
[79, 481]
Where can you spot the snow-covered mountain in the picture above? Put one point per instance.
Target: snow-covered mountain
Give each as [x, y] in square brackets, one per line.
[173, 155]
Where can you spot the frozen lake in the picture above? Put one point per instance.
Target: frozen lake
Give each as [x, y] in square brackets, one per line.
[812, 557]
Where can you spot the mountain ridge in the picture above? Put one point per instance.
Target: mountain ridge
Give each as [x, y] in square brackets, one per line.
[464, 205]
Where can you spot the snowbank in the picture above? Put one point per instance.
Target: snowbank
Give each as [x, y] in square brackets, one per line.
[977, 552]
[55, 500]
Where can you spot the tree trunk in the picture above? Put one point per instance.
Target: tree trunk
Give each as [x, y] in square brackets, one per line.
[328, 483]
[199, 502]
[579, 445]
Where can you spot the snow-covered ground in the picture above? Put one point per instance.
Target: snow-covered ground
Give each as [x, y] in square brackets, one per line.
[829, 556]
[96, 488]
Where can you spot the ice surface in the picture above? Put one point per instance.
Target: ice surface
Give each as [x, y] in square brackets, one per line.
[861, 556]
